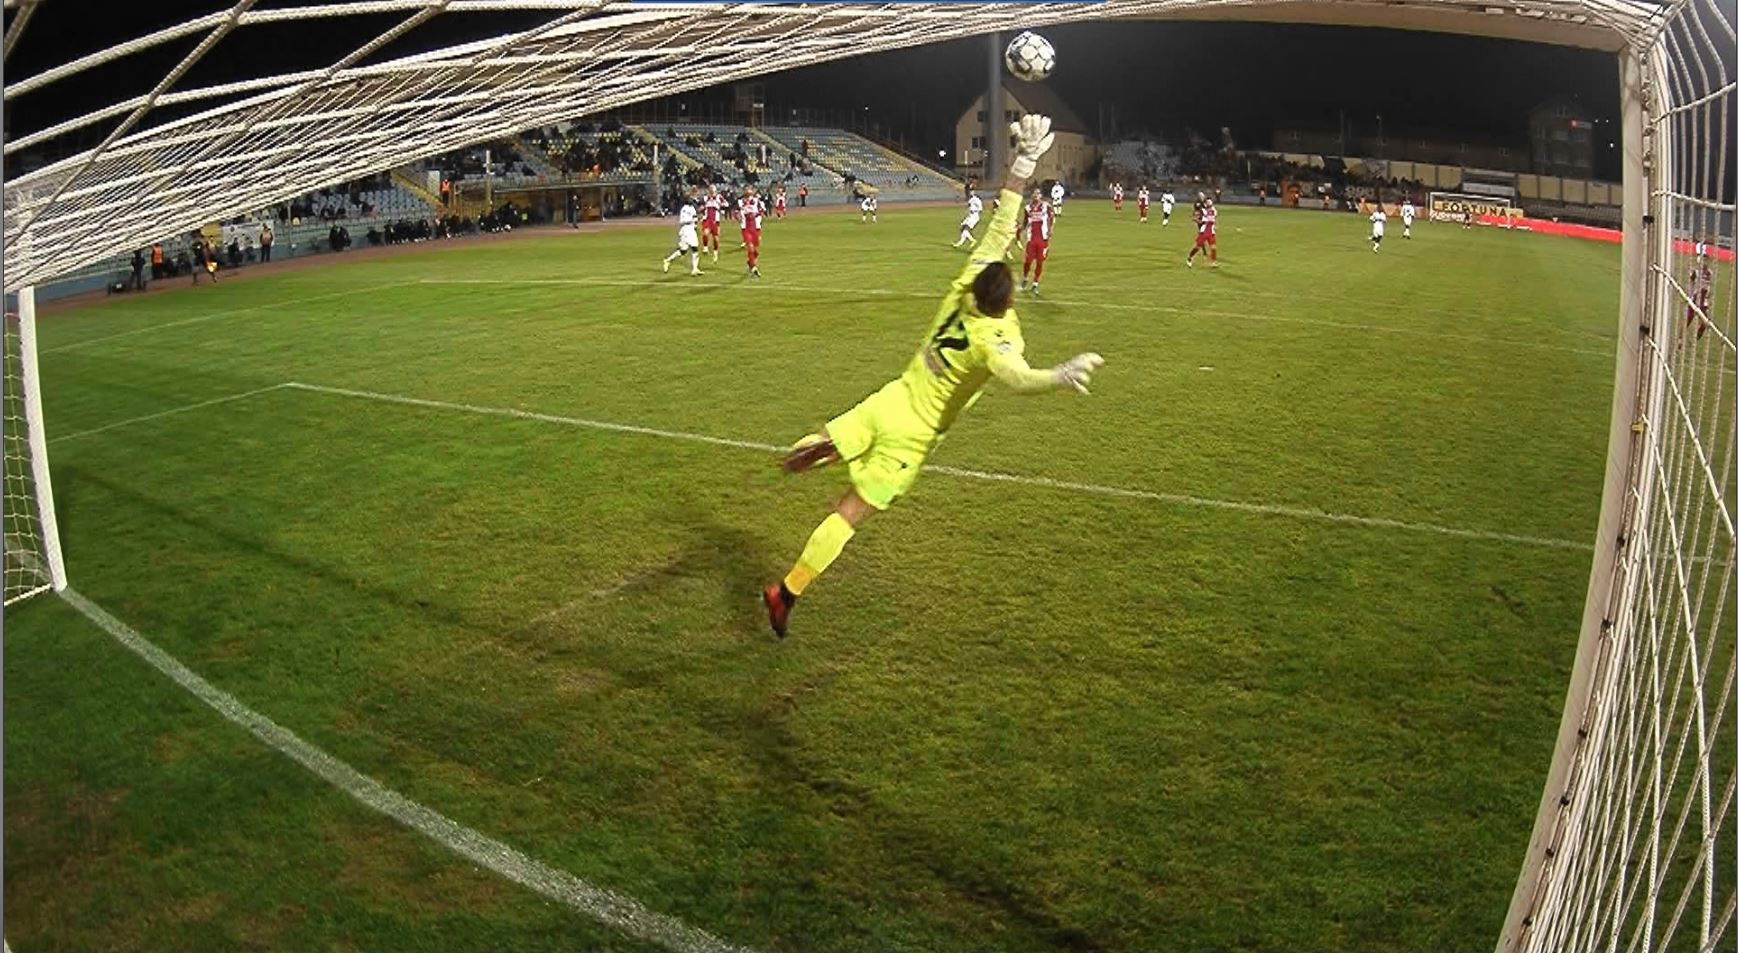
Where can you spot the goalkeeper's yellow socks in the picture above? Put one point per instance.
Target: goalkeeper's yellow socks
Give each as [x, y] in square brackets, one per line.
[825, 544]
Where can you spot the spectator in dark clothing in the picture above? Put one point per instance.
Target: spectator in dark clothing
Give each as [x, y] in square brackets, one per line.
[138, 279]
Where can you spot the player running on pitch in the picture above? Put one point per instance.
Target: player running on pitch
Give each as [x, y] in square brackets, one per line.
[868, 207]
[974, 210]
[1206, 222]
[885, 439]
[1167, 202]
[778, 201]
[1056, 194]
[1407, 213]
[1378, 225]
[1116, 196]
[1699, 305]
[687, 242]
[1143, 199]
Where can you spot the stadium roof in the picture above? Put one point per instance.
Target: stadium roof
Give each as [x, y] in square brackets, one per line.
[1041, 98]
[175, 144]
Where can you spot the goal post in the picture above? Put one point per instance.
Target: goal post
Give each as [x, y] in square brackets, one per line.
[1634, 840]
[33, 561]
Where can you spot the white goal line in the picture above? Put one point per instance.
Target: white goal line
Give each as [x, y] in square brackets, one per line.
[615, 910]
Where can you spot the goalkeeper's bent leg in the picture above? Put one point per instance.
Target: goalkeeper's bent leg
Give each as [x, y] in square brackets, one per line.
[825, 544]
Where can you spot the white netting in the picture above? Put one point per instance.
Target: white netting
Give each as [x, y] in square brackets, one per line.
[1636, 842]
[31, 552]
[274, 136]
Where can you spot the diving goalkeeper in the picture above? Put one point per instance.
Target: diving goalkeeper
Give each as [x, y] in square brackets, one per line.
[885, 439]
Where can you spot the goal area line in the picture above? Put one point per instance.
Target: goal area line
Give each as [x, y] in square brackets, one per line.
[1067, 486]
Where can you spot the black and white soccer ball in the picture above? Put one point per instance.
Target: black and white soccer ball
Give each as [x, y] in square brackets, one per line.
[1030, 57]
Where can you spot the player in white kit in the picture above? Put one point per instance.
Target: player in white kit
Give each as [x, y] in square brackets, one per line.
[868, 207]
[687, 238]
[974, 209]
[1407, 214]
[1378, 223]
[1056, 194]
[1167, 202]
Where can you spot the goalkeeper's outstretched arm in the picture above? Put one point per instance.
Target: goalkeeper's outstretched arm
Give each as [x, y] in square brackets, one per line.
[1021, 378]
[1032, 138]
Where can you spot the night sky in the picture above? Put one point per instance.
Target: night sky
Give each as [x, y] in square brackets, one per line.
[1150, 76]
[1166, 77]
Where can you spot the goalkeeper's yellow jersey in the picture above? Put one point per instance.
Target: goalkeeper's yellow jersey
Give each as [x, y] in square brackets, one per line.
[952, 365]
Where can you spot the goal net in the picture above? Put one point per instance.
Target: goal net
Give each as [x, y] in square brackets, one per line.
[1635, 841]
[32, 542]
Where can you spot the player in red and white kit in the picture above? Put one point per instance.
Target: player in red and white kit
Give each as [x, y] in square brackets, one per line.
[711, 216]
[1143, 199]
[778, 201]
[1039, 218]
[1116, 195]
[750, 211]
[1701, 294]
[1206, 219]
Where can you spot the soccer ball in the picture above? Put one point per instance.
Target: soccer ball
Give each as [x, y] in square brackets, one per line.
[1030, 57]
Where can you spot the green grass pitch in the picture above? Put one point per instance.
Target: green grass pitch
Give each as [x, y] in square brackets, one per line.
[1016, 714]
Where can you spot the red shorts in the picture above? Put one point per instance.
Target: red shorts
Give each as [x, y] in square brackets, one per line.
[1037, 248]
[1143, 208]
[751, 236]
[711, 227]
[1118, 202]
[1206, 238]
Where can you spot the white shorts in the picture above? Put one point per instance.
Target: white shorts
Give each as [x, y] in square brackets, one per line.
[687, 238]
[1167, 208]
[970, 221]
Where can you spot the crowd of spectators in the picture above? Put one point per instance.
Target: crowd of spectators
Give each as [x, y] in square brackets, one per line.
[334, 202]
[1269, 177]
[591, 149]
[503, 156]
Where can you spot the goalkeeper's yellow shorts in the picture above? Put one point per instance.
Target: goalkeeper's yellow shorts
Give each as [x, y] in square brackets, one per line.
[883, 443]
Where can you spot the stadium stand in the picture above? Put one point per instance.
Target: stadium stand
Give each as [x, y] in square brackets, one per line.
[304, 225]
[851, 157]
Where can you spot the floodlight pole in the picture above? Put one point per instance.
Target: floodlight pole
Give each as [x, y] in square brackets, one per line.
[994, 131]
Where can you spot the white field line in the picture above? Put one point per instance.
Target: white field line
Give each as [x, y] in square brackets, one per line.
[164, 413]
[232, 312]
[1064, 302]
[1179, 499]
[603, 592]
[606, 906]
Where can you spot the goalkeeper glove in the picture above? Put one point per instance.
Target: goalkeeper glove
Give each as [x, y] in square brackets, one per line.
[1076, 372]
[1032, 138]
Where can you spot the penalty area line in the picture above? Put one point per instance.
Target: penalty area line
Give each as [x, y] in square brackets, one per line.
[166, 413]
[612, 909]
[1096, 489]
